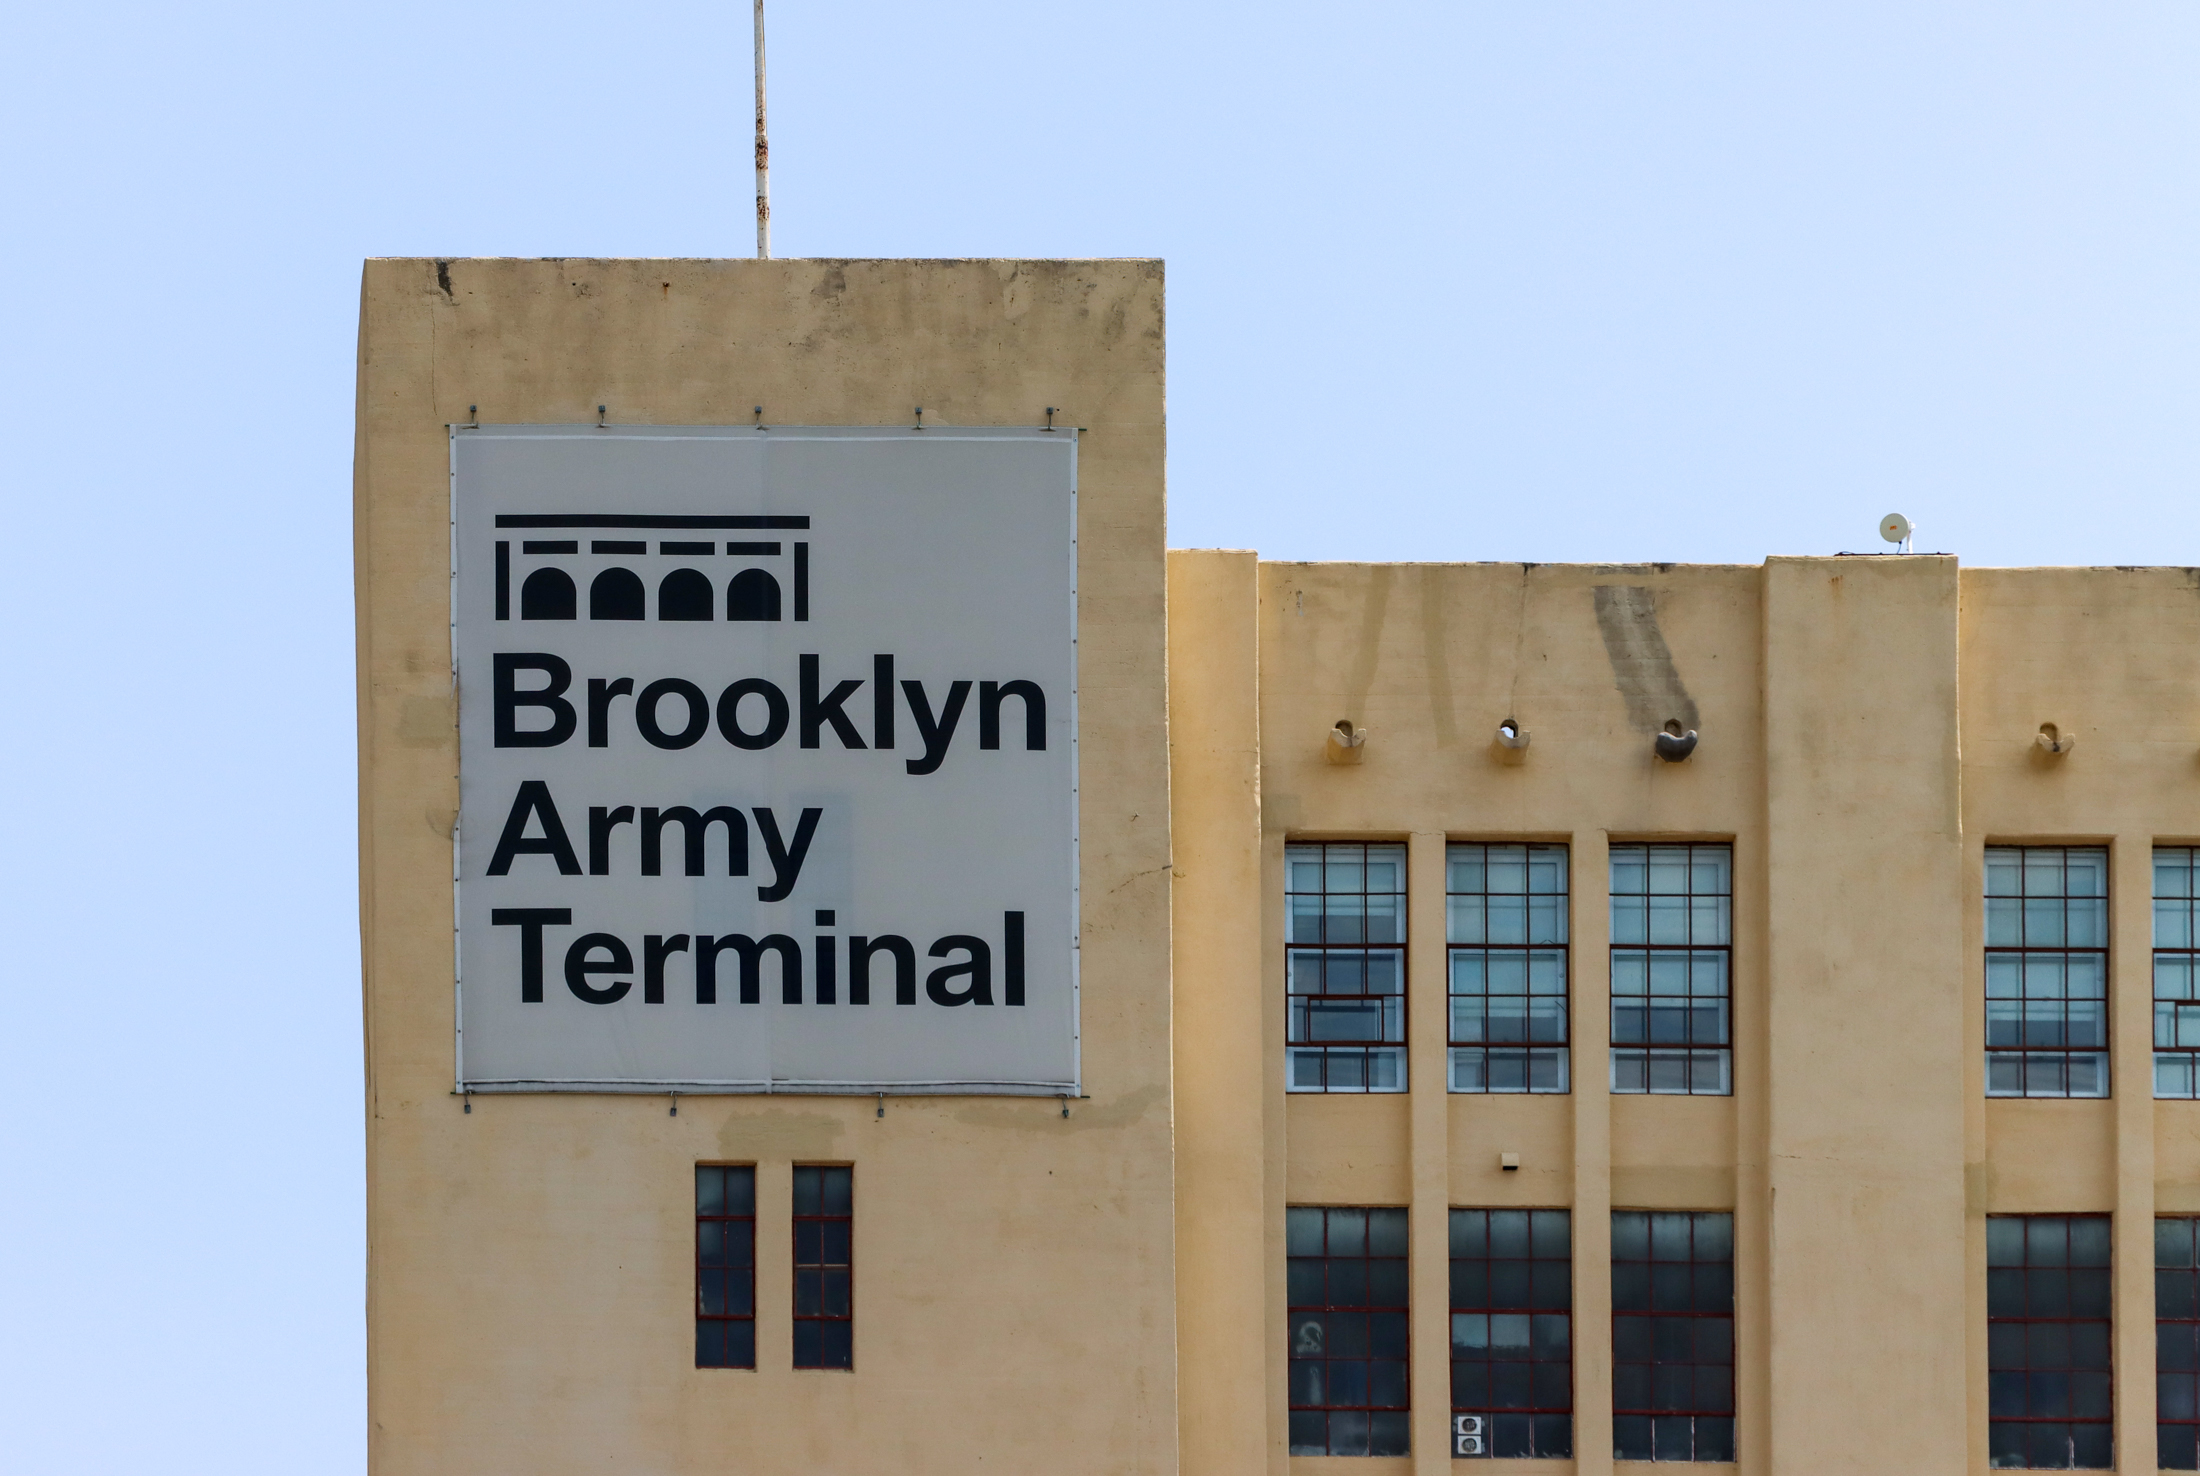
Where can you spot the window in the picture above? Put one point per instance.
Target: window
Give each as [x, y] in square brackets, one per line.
[725, 1267]
[2176, 971]
[1672, 955]
[2177, 1344]
[1512, 1345]
[1672, 1336]
[1507, 926]
[824, 1232]
[1347, 1330]
[1347, 930]
[2047, 1343]
[2046, 971]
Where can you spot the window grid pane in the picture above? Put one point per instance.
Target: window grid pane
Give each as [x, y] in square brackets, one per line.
[1345, 979]
[824, 1266]
[1672, 1336]
[2176, 969]
[1506, 923]
[2177, 1343]
[725, 1266]
[1672, 970]
[1347, 1331]
[2047, 971]
[1512, 1332]
[2049, 1400]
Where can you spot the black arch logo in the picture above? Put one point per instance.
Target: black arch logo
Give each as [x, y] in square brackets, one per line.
[685, 594]
[616, 594]
[548, 594]
[752, 595]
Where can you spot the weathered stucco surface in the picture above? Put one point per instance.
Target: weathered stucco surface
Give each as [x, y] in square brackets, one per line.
[530, 1294]
[1867, 729]
[1106, 1293]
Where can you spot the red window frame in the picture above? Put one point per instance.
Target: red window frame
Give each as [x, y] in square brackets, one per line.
[2056, 1066]
[2050, 1345]
[1673, 1335]
[1349, 1330]
[2177, 1343]
[1340, 948]
[2176, 963]
[725, 1265]
[824, 1265]
[1502, 939]
[1514, 1266]
[1695, 1056]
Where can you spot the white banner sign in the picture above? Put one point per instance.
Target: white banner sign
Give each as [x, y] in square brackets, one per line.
[768, 766]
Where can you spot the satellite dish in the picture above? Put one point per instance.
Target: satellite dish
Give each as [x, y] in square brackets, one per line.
[1896, 528]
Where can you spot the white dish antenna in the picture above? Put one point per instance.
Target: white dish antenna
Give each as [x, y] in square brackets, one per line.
[1897, 529]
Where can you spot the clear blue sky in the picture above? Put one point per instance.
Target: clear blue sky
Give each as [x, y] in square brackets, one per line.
[1573, 281]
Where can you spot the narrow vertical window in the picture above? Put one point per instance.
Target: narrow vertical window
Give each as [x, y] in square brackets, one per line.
[2176, 971]
[1347, 1331]
[824, 1236]
[1345, 906]
[1672, 1336]
[1512, 1343]
[2047, 1341]
[725, 1266]
[2177, 1344]
[1672, 969]
[2046, 971]
[1506, 922]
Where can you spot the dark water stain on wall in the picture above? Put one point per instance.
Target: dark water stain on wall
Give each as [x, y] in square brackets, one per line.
[1436, 655]
[1642, 664]
[1368, 649]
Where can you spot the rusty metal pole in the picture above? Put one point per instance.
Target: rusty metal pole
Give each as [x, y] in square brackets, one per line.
[763, 152]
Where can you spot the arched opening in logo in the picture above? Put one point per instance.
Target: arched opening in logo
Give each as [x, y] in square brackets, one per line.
[616, 594]
[752, 595]
[686, 594]
[548, 594]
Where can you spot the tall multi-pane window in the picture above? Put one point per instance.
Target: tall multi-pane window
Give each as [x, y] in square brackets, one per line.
[1345, 906]
[1512, 1344]
[1672, 1336]
[824, 1266]
[1507, 927]
[2046, 971]
[1347, 1330]
[2176, 973]
[2177, 1343]
[725, 1266]
[2047, 1341]
[1672, 969]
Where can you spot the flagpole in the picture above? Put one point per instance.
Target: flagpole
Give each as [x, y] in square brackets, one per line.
[763, 152]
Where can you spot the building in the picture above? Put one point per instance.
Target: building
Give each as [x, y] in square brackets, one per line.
[1469, 1061]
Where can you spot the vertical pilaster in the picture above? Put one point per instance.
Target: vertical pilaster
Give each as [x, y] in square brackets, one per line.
[1276, 1146]
[1976, 1170]
[1752, 1200]
[1592, 1104]
[1220, 1049]
[1428, 1014]
[775, 1264]
[2131, 1060]
[1867, 1000]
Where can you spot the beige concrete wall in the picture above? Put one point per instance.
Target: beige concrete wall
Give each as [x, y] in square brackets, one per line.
[1868, 729]
[2109, 655]
[530, 1263]
[1429, 658]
